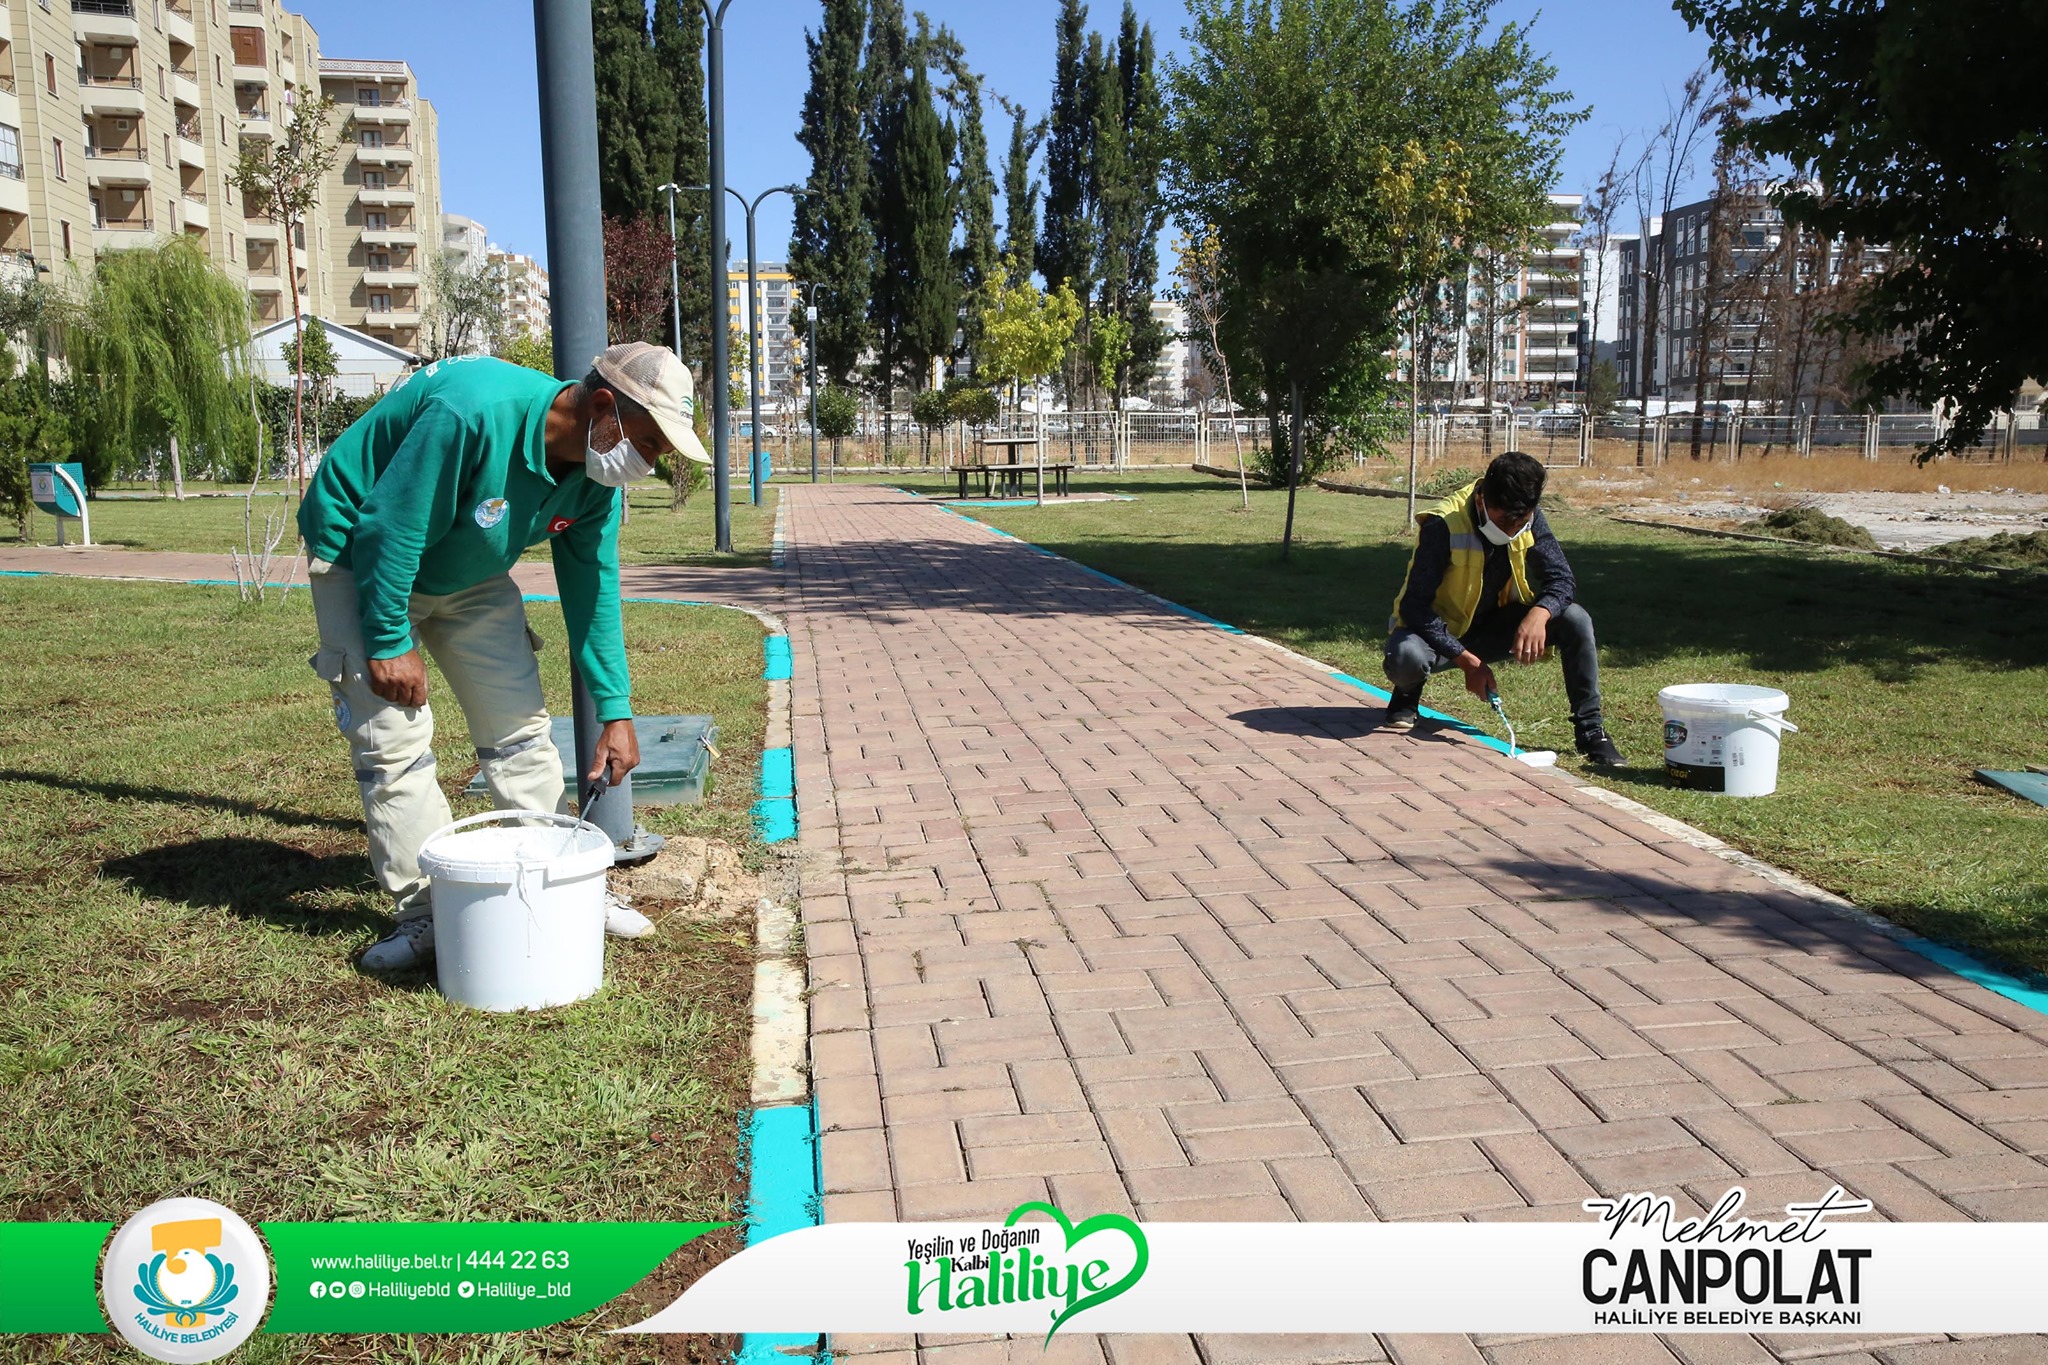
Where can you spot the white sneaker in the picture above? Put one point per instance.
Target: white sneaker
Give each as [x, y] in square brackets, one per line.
[409, 945]
[622, 920]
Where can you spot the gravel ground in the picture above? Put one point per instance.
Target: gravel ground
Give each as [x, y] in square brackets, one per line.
[1897, 521]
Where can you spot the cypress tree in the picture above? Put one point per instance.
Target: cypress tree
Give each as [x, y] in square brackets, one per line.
[920, 255]
[1143, 129]
[679, 55]
[1020, 201]
[637, 111]
[884, 88]
[833, 244]
[1066, 249]
[976, 262]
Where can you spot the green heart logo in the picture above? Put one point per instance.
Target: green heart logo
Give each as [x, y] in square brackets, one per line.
[1088, 1227]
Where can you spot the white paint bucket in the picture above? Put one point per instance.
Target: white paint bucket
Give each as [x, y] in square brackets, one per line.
[1723, 737]
[518, 911]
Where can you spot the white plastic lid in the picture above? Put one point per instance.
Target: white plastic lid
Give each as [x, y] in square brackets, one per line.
[1725, 697]
[478, 850]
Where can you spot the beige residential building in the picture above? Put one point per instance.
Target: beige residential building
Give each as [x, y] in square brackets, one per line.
[121, 120]
[383, 201]
[526, 293]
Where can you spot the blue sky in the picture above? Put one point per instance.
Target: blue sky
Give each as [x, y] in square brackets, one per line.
[474, 59]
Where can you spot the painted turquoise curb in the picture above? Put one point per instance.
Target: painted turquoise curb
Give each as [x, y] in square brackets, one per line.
[780, 664]
[2013, 988]
[782, 1196]
[778, 774]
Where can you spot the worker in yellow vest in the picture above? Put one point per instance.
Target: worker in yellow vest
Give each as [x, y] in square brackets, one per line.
[1487, 582]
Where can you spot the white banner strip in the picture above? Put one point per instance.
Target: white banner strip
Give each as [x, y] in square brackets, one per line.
[1638, 1269]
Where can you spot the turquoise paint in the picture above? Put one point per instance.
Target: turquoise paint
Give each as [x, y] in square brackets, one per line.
[22, 573]
[1453, 722]
[780, 664]
[778, 774]
[1970, 969]
[782, 1196]
[775, 820]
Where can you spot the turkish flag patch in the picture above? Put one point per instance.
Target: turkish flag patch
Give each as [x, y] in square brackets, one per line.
[560, 524]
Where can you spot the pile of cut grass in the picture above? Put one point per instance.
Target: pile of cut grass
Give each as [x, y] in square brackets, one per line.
[1812, 526]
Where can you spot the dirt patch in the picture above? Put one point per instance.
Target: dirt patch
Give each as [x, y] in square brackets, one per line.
[1914, 522]
[695, 880]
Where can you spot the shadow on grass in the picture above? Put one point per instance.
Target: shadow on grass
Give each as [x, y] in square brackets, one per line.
[256, 879]
[125, 791]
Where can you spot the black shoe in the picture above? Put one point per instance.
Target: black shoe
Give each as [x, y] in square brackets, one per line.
[1599, 749]
[1403, 710]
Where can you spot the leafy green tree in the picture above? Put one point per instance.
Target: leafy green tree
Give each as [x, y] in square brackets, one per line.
[35, 425]
[638, 115]
[973, 404]
[1133, 209]
[534, 350]
[913, 304]
[1028, 332]
[1912, 125]
[1603, 391]
[280, 178]
[160, 357]
[838, 416]
[974, 263]
[931, 410]
[465, 307]
[1287, 119]
[1020, 197]
[833, 243]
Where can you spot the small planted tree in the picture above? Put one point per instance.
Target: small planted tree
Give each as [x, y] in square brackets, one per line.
[931, 410]
[1026, 332]
[838, 416]
[975, 405]
[280, 178]
[534, 350]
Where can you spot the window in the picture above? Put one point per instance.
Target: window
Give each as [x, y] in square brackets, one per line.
[163, 83]
[373, 222]
[223, 130]
[370, 137]
[10, 151]
[67, 239]
[231, 244]
[57, 156]
[369, 96]
[169, 160]
[217, 78]
[373, 180]
[380, 303]
[50, 71]
[380, 260]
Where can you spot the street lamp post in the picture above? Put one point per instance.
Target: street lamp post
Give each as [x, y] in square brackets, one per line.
[721, 358]
[675, 271]
[811, 363]
[754, 319]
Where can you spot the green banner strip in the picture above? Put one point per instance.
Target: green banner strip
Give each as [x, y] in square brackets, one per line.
[49, 1277]
[368, 1277]
[457, 1277]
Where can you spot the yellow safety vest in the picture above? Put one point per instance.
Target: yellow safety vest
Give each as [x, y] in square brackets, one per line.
[1457, 597]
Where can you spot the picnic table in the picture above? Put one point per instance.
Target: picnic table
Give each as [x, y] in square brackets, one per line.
[1005, 477]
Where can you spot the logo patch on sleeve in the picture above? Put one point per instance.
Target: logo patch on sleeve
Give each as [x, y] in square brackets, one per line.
[490, 512]
[560, 524]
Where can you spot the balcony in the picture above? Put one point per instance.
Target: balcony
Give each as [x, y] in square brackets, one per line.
[262, 229]
[13, 188]
[390, 154]
[396, 111]
[245, 6]
[185, 89]
[256, 122]
[396, 236]
[393, 317]
[123, 234]
[116, 166]
[399, 195]
[106, 21]
[391, 279]
[178, 23]
[198, 213]
[117, 95]
[248, 75]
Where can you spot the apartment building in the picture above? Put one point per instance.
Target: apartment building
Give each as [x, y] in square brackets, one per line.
[526, 293]
[781, 347]
[465, 243]
[1534, 306]
[120, 121]
[382, 200]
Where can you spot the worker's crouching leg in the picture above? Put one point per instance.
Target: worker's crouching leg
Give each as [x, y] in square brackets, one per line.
[480, 639]
[391, 748]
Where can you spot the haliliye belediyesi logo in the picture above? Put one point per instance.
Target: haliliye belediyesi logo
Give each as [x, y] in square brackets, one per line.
[1026, 1262]
[185, 1280]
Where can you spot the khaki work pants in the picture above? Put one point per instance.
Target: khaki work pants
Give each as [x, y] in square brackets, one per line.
[481, 642]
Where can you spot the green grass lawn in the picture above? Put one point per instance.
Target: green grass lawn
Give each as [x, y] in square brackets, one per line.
[182, 889]
[652, 535]
[1903, 678]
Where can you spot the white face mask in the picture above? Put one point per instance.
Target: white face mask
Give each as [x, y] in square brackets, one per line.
[1492, 532]
[616, 467]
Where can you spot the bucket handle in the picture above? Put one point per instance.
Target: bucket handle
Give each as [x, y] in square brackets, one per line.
[1753, 714]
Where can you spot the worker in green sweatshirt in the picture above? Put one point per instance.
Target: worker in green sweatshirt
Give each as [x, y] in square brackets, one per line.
[412, 525]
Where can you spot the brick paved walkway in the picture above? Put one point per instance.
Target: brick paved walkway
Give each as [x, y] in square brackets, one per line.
[1117, 909]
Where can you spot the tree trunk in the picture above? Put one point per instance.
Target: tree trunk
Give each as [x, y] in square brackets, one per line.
[1293, 468]
[291, 273]
[1645, 380]
[1414, 400]
[177, 471]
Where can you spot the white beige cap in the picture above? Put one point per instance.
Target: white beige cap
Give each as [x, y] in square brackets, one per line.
[652, 377]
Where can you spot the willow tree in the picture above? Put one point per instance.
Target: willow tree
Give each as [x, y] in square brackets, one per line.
[160, 356]
[280, 177]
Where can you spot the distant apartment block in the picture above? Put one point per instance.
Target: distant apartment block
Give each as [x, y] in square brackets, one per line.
[121, 120]
[526, 293]
[383, 200]
[465, 243]
[781, 358]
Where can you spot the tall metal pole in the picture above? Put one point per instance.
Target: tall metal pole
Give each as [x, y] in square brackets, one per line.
[675, 270]
[721, 357]
[575, 227]
[811, 362]
[754, 350]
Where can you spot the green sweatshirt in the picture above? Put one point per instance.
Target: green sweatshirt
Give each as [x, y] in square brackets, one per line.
[442, 485]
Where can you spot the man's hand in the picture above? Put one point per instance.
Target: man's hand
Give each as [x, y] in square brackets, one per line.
[1532, 637]
[1478, 677]
[402, 681]
[618, 752]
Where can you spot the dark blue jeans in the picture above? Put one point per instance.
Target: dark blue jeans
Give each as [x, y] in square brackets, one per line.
[1411, 659]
